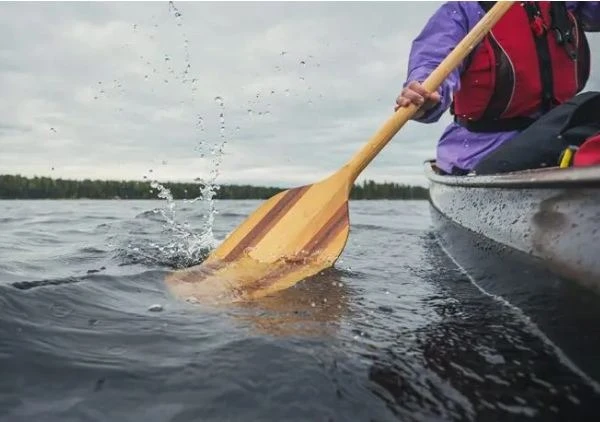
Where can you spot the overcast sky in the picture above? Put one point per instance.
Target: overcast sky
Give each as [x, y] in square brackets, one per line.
[100, 90]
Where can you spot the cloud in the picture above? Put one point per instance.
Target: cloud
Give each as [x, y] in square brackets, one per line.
[114, 89]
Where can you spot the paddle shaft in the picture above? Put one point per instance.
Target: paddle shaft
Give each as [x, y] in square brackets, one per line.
[380, 139]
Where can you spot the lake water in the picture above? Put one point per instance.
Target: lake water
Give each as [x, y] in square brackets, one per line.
[396, 332]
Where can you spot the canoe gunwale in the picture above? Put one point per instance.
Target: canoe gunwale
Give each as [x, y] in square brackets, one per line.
[547, 178]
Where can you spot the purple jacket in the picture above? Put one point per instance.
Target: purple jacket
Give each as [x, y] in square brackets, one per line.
[457, 146]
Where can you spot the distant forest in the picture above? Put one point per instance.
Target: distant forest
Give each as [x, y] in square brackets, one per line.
[18, 187]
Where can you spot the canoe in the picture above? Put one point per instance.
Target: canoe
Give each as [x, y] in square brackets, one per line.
[553, 215]
[532, 238]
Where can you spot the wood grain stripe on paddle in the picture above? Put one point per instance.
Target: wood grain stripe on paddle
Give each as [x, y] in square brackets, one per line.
[337, 222]
[271, 218]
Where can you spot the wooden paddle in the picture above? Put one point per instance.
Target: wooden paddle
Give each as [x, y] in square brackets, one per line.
[302, 231]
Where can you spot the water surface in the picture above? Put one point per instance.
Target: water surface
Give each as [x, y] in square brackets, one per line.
[395, 332]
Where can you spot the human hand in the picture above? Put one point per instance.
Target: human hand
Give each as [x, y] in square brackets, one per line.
[414, 93]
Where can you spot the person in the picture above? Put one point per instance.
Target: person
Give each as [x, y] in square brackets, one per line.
[535, 58]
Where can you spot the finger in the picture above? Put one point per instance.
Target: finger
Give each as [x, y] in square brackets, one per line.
[418, 88]
[414, 97]
[402, 101]
[435, 97]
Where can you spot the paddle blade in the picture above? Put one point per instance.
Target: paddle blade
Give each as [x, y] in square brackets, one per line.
[293, 235]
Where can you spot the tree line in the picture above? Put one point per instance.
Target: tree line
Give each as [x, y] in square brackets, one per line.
[19, 187]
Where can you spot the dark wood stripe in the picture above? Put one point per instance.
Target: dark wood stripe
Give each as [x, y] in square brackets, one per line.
[329, 231]
[267, 222]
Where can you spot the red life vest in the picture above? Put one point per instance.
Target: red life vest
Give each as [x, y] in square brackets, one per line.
[535, 58]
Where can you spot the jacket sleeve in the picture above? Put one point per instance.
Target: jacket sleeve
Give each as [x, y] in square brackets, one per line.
[588, 13]
[444, 30]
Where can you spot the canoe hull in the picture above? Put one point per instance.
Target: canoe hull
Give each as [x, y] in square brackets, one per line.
[534, 244]
[555, 221]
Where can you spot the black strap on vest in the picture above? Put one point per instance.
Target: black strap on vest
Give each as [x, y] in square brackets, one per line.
[562, 27]
[543, 52]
